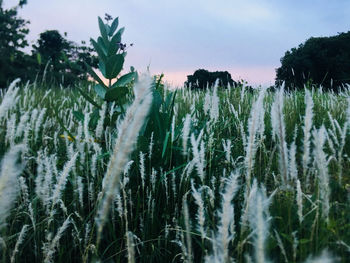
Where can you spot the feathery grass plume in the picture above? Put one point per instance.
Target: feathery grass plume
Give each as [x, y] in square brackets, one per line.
[10, 130]
[130, 245]
[343, 132]
[281, 246]
[198, 155]
[319, 137]
[150, 147]
[80, 190]
[128, 132]
[142, 169]
[62, 180]
[299, 198]
[9, 184]
[86, 125]
[255, 127]
[173, 128]
[207, 102]
[189, 253]
[307, 130]
[22, 124]
[292, 164]
[325, 257]
[19, 242]
[227, 145]
[259, 218]
[295, 245]
[24, 191]
[344, 244]
[197, 195]
[225, 232]
[10, 98]
[99, 127]
[214, 105]
[186, 133]
[38, 123]
[51, 246]
[279, 132]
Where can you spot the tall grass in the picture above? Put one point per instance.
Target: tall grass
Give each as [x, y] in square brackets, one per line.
[223, 175]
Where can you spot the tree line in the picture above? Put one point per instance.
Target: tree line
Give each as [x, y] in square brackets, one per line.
[53, 55]
[319, 61]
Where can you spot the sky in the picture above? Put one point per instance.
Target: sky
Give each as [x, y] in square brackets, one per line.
[177, 37]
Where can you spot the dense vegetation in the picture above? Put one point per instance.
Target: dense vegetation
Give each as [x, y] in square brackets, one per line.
[202, 79]
[54, 57]
[220, 175]
[130, 171]
[320, 60]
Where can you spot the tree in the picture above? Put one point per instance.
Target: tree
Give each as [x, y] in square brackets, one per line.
[63, 59]
[322, 61]
[13, 31]
[202, 78]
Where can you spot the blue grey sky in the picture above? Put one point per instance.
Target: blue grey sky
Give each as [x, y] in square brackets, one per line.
[246, 38]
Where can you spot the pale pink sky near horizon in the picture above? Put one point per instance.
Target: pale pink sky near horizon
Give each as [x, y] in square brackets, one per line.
[246, 38]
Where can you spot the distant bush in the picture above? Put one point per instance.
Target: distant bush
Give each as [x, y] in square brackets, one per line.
[202, 78]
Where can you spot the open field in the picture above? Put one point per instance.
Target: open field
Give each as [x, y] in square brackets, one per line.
[225, 175]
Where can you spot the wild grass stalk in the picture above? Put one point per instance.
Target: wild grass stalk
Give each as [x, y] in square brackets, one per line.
[18, 243]
[279, 132]
[319, 137]
[307, 131]
[127, 136]
[259, 221]
[9, 99]
[9, 184]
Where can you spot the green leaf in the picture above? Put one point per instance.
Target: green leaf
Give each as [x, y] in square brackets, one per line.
[103, 155]
[94, 75]
[103, 30]
[113, 45]
[115, 94]
[88, 98]
[94, 119]
[100, 90]
[175, 169]
[114, 26]
[78, 115]
[304, 241]
[102, 68]
[114, 65]
[38, 58]
[102, 44]
[125, 79]
[99, 50]
[108, 29]
[120, 32]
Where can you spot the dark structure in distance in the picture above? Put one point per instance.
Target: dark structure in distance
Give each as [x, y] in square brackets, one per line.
[201, 79]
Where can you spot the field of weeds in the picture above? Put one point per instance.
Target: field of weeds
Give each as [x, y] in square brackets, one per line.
[224, 175]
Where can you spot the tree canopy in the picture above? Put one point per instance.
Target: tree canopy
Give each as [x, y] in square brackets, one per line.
[320, 60]
[13, 31]
[65, 59]
[202, 78]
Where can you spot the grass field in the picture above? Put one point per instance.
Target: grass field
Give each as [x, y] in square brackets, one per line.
[227, 175]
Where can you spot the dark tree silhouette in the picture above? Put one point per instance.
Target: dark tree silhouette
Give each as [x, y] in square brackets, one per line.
[322, 61]
[63, 59]
[201, 79]
[13, 32]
